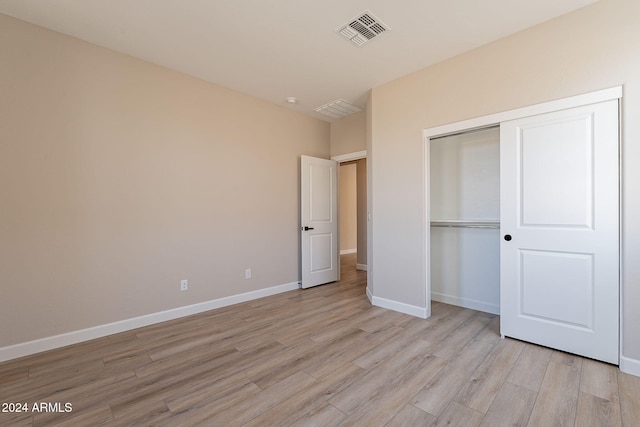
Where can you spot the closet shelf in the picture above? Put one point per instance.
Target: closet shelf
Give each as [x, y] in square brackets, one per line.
[461, 223]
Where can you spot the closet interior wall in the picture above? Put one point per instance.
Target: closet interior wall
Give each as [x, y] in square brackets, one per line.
[464, 190]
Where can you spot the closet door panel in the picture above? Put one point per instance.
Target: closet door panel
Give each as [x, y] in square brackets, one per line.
[560, 208]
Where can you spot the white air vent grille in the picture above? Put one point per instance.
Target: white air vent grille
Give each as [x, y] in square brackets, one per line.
[362, 28]
[338, 109]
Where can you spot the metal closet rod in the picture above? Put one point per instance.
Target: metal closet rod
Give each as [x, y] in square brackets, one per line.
[465, 224]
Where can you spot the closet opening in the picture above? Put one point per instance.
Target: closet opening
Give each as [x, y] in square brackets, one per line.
[464, 211]
[523, 220]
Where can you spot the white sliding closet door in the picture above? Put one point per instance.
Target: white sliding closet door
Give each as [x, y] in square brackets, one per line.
[560, 230]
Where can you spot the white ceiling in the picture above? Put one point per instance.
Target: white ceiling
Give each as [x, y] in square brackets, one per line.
[274, 49]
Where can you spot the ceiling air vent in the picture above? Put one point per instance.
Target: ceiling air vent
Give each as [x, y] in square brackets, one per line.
[338, 109]
[362, 28]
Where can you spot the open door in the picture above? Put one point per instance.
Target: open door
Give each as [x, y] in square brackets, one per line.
[319, 222]
[560, 230]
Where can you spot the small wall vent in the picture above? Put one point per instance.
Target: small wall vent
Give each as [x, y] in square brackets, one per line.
[362, 28]
[338, 109]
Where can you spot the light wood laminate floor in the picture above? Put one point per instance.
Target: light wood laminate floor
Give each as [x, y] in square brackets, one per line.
[319, 357]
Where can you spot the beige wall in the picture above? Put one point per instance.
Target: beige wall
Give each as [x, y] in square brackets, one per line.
[590, 49]
[118, 178]
[348, 207]
[348, 135]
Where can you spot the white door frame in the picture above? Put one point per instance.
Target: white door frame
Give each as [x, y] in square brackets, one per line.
[343, 158]
[357, 155]
[492, 120]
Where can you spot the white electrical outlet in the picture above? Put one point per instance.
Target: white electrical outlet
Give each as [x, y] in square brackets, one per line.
[247, 273]
[184, 285]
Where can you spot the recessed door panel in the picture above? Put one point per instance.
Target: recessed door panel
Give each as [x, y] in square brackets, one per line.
[557, 172]
[320, 186]
[557, 287]
[321, 253]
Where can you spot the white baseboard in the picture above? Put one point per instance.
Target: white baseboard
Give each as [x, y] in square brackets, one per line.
[412, 310]
[370, 295]
[49, 343]
[362, 267]
[630, 366]
[348, 251]
[466, 303]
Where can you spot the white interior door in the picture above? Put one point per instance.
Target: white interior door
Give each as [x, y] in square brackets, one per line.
[319, 222]
[560, 228]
